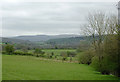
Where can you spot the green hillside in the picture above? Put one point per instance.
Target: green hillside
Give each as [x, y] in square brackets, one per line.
[32, 68]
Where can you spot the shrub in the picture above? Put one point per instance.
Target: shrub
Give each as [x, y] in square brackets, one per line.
[52, 53]
[3, 52]
[9, 49]
[105, 66]
[39, 53]
[86, 57]
[64, 55]
[18, 52]
[23, 53]
[71, 54]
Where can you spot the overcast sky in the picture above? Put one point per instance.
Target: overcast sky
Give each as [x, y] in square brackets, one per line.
[35, 17]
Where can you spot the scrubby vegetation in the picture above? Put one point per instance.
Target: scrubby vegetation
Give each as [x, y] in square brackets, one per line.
[9, 49]
[103, 54]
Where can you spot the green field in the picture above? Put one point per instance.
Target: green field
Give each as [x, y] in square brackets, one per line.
[55, 51]
[16, 67]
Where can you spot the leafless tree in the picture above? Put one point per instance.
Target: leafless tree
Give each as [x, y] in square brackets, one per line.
[100, 25]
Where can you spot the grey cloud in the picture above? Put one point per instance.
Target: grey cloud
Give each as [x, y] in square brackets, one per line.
[47, 17]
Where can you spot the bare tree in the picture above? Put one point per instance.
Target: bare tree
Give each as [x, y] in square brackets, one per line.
[97, 25]
[100, 25]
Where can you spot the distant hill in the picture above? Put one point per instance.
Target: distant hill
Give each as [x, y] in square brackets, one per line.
[18, 43]
[14, 41]
[72, 42]
[46, 41]
[44, 37]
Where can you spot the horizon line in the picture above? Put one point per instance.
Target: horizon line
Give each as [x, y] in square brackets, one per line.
[44, 34]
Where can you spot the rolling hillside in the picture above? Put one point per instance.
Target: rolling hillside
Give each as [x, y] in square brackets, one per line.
[43, 37]
[45, 41]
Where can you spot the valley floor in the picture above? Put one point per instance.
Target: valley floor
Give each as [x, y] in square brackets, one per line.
[16, 67]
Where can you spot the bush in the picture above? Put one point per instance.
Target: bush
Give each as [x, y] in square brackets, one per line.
[9, 49]
[3, 52]
[39, 52]
[23, 53]
[86, 57]
[105, 66]
[52, 53]
[71, 54]
[18, 52]
[64, 55]
[95, 63]
[37, 55]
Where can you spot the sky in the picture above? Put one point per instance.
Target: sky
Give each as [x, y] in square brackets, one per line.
[35, 17]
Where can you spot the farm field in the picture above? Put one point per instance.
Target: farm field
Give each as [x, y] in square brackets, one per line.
[57, 53]
[15, 67]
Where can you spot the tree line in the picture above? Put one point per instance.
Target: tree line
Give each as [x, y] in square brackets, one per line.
[9, 49]
[104, 52]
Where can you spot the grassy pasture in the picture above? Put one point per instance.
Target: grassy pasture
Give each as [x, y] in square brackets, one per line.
[15, 67]
[57, 53]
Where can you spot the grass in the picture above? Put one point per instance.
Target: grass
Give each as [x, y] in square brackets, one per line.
[57, 53]
[32, 68]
